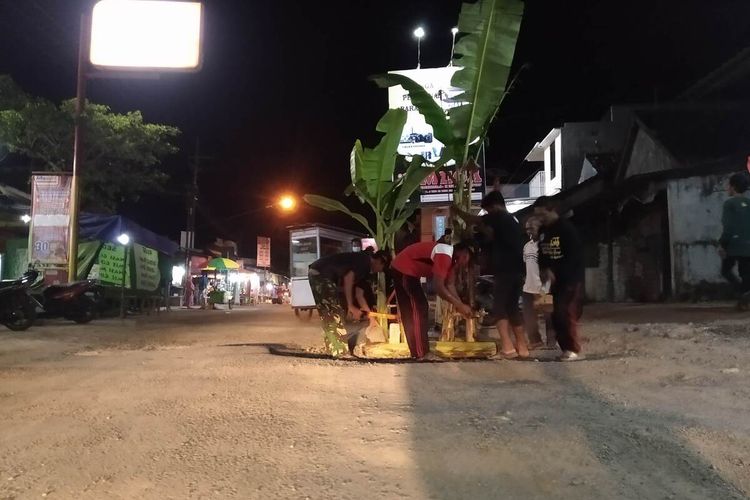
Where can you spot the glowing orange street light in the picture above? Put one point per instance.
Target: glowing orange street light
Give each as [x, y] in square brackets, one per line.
[287, 203]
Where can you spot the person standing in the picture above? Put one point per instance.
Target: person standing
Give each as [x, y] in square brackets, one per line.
[533, 287]
[426, 260]
[189, 291]
[350, 270]
[561, 260]
[506, 236]
[734, 244]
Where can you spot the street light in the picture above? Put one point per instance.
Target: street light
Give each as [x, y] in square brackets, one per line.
[454, 32]
[287, 203]
[419, 34]
[26, 218]
[131, 37]
[123, 240]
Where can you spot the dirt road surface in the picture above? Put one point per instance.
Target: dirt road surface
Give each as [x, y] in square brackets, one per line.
[191, 405]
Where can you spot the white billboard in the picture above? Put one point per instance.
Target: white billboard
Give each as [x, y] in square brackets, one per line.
[417, 137]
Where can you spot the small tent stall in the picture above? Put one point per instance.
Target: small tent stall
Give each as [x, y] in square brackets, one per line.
[144, 265]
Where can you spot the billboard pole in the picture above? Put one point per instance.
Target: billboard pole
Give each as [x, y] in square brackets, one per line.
[83, 52]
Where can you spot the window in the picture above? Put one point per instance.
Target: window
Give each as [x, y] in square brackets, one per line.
[304, 253]
[332, 247]
[553, 159]
[439, 227]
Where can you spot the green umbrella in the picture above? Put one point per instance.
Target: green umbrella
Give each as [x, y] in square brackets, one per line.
[222, 264]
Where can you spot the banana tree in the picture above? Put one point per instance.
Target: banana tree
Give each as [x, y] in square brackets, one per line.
[378, 184]
[484, 53]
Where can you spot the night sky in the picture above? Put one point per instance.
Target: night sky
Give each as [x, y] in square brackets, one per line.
[283, 92]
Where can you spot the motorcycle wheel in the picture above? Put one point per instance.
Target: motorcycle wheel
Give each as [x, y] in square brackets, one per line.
[86, 311]
[23, 317]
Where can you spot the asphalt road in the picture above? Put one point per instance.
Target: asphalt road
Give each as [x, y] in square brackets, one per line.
[190, 404]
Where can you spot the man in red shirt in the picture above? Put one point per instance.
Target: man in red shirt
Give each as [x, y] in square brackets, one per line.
[425, 260]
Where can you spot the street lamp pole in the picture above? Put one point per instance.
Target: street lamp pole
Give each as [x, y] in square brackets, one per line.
[83, 55]
[454, 32]
[123, 239]
[419, 34]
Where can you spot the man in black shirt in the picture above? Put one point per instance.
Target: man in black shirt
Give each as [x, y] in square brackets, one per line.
[561, 259]
[507, 237]
[351, 271]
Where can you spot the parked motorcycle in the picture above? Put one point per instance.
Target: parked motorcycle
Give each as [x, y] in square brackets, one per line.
[17, 308]
[73, 301]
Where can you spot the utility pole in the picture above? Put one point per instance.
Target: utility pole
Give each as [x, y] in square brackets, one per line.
[192, 207]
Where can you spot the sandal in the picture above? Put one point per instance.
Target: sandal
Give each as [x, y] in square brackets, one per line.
[505, 355]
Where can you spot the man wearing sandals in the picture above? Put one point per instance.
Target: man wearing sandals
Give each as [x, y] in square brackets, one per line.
[735, 239]
[534, 288]
[426, 260]
[507, 269]
[561, 261]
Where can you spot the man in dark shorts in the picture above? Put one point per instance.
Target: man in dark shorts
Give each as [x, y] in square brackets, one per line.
[734, 243]
[561, 261]
[351, 271]
[425, 260]
[506, 235]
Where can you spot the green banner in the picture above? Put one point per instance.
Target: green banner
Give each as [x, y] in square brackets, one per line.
[147, 274]
[111, 263]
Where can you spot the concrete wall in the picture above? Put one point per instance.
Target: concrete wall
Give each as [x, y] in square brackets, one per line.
[596, 277]
[695, 206]
[648, 157]
[639, 255]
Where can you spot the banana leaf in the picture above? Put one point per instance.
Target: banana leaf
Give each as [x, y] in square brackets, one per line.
[485, 54]
[336, 206]
[374, 168]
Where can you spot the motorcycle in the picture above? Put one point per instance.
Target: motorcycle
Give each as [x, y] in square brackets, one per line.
[73, 301]
[17, 308]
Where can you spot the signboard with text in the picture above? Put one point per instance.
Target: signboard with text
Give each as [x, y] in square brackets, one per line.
[417, 137]
[146, 262]
[50, 220]
[112, 264]
[264, 252]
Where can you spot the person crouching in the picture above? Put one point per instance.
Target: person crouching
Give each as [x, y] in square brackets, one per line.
[352, 272]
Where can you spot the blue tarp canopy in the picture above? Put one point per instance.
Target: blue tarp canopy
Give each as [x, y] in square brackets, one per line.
[109, 227]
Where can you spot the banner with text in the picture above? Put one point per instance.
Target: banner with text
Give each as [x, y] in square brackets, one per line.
[50, 220]
[147, 276]
[112, 264]
[417, 137]
[264, 252]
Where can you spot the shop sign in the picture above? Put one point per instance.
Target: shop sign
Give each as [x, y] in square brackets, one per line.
[50, 220]
[264, 252]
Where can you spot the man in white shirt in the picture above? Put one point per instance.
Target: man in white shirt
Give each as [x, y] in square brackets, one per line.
[533, 287]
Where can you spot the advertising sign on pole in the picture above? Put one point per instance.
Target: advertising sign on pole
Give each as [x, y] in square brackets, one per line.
[417, 137]
[264, 252]
[50, 220]
[147, 34]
